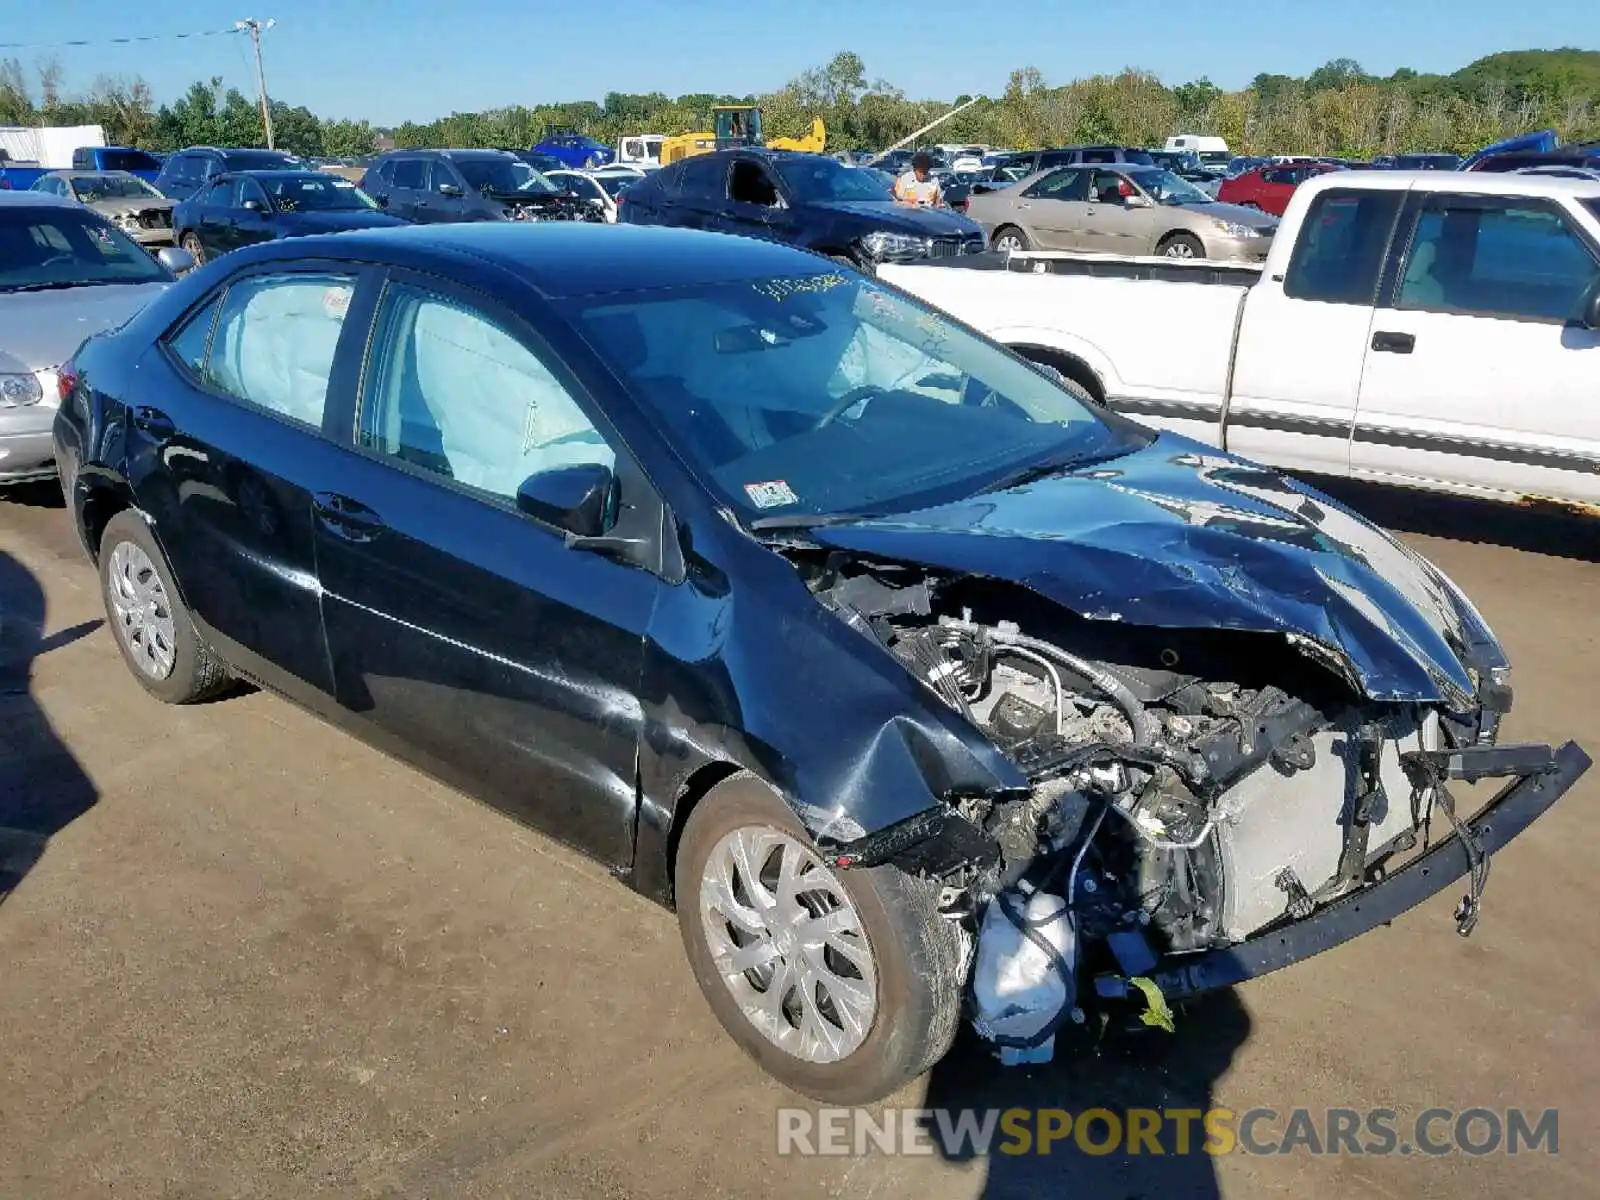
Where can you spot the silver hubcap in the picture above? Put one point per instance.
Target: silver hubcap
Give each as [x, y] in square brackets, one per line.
[789, 944]
[142, 611]
[1180, 250]
[1009, 242]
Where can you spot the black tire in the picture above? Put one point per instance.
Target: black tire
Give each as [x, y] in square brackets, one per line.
[191, 243]
[1077, 390]
[917, 957]
[1174, 245]
[197, 674]
[1005, 231]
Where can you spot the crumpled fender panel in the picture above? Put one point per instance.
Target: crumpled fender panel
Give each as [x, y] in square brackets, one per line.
[828, 716]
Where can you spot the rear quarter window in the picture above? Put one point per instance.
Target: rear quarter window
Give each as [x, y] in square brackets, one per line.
[1339, 255]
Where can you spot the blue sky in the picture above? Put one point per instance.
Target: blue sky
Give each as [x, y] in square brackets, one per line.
[416, 59]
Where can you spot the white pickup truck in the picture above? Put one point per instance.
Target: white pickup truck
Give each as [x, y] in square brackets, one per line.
[1434, 329]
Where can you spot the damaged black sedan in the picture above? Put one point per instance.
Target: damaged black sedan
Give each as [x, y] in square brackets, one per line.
[917, 685]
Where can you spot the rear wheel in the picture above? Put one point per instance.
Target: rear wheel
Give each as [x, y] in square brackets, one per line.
[1010, 239]
[842, 984]
[152, 627]
[1183, 245]
[193, 246]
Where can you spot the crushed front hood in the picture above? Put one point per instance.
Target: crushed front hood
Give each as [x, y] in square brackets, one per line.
[1179, 535]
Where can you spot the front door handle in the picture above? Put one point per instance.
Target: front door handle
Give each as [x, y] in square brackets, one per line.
[1394, 343]
[346, 518]
[154, 422]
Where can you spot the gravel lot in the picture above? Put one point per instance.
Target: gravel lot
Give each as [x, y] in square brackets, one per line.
[246, 956]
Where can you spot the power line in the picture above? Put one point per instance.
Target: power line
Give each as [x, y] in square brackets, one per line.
[117, 41]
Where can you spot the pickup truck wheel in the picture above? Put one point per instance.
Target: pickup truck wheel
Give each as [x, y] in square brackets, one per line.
[1010, 239]
[842, 984]
[193, 246]
[1183, 245]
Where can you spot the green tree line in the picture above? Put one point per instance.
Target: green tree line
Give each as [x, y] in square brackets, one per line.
[1337, 109]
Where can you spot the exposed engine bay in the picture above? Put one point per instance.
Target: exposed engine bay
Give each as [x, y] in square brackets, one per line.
[1188, 789]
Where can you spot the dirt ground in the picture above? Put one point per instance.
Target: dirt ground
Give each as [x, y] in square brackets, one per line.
[245, 956]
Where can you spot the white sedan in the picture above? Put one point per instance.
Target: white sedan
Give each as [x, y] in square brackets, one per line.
[599, 189]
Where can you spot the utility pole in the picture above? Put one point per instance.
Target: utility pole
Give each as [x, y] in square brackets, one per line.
[257, 28]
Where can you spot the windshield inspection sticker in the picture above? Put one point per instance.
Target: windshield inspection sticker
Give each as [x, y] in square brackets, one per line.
[774, 493]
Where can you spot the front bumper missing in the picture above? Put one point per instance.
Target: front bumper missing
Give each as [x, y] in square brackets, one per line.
[1513, 809]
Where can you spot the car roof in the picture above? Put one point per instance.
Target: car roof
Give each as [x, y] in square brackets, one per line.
[29, 199]
[278, 173]
[561, 259]
[1486, 183]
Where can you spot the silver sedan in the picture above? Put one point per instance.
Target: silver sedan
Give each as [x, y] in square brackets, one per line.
[65, 274]
[1120, 209]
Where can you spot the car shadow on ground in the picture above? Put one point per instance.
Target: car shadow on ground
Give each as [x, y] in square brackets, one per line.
[43, 789]
[1537, 529]
[44, 494]
[1127, 1071]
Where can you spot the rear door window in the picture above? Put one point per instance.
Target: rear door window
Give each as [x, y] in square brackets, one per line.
[702, 178]
[1340, 252]
[411, 173]
[274, 342]
[1066, 184]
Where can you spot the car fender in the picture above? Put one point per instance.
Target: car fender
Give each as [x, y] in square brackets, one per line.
[1058, 341]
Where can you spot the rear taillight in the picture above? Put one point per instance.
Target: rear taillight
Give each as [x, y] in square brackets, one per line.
[66, 381]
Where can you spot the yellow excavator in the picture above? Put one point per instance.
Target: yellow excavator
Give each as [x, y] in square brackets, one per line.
[738, 125]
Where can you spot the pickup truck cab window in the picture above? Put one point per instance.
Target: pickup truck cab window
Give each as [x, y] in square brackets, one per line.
[1340, 254]
[1496, 257]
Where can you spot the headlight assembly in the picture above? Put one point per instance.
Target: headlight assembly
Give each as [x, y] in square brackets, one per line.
[882, 245]
[16, 391]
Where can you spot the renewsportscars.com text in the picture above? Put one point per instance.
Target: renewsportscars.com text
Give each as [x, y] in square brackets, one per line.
[962, 1133]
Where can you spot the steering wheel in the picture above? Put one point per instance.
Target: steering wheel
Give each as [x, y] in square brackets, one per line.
[845, 403]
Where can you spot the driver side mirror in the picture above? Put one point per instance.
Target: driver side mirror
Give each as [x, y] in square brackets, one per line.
[1137, 201]
[577, 498]
[449, 189]
[175, 259]
[256, 206]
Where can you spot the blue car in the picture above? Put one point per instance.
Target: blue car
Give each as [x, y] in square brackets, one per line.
[574, 149]
[241, 208]
[864, 643]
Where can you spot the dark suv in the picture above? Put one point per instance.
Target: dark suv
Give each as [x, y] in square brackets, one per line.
[1025, 162]
[806, 200]
[188, 170]
[431, 186]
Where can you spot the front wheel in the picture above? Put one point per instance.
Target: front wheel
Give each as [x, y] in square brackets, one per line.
[842, 984]
[1009, 240]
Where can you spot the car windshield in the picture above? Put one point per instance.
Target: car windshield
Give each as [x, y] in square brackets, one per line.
[315, 193]
[812, 179]
[1166, 188]
[63, 247]
[90, 188]
[811, 396]
[502, 175]
[259, 160]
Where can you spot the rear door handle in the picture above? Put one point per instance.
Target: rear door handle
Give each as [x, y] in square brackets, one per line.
[154, 422]
[1394, 343]
[346, 518]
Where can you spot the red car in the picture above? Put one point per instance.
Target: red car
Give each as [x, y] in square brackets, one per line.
[1269, 188]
